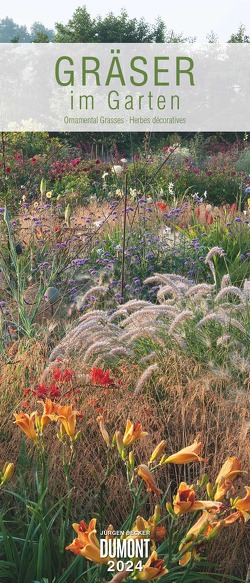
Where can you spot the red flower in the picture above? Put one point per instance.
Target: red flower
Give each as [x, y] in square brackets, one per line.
[68, 374]
[42, 391]
[101, 377]
[161, 205]
[210, 220]
[57, 375]
[197, 212]
[54, 392]
[233, 207]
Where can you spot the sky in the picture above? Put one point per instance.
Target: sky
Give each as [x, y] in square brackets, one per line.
[191, 17]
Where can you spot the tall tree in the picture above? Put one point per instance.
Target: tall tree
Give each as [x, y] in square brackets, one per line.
[39, 33]
[10, 31]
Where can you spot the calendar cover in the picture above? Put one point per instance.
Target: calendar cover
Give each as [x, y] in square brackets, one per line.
[124, 292]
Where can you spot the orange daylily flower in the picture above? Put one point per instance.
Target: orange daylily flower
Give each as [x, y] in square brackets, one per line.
[133, 432]
[205, 527]
[224, 481]
[154, 568]
[243, 505]
[87, 544]
[103, 430]
[185, 455]
[27, 423]
[184, 501]
[68, 419]
[49, 412]
[148, 478]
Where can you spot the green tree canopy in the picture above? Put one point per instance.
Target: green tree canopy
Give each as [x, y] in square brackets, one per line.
[12, 32]
[40, 34]
[81, 28]
[240, 36]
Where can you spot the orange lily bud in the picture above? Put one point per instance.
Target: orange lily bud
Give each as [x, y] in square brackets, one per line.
[119, 442]
[103, 430]
[131, 459]
[157, 515]
[209, 489]
[158, 451]
[6, 473]
[148, 478]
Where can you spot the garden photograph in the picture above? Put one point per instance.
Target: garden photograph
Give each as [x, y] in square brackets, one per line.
[124, 335]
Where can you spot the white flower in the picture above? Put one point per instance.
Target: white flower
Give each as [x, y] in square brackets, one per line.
[123, 160]
[117, 169]
[104, 175]
[171, 188]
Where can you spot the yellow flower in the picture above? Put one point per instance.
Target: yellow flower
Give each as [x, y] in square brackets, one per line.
[224, 481]
[248, 202]
[6, 473]
[185, 455]
[154, 568]
[148, 478]
[243, 505]
[27, 423]
[86, 544]
[35, 205]
[103, 430]
[68, 419]
[184, 501]
[49, 194]
[158, 451]
[133, 432]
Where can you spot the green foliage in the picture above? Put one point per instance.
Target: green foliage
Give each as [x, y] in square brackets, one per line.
[82, 28]
[12, 32]
[240, 36]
